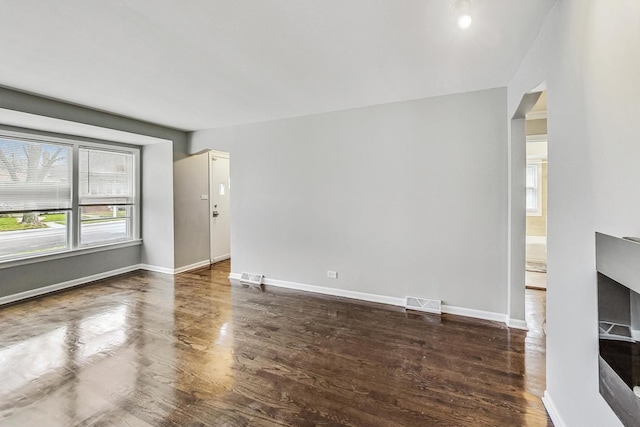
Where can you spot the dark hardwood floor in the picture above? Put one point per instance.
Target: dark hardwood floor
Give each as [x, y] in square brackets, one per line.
[147, 349]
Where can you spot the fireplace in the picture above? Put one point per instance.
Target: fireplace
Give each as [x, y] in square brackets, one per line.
[618, 265]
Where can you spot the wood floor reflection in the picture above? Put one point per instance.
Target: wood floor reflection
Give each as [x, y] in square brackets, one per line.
[148, 349]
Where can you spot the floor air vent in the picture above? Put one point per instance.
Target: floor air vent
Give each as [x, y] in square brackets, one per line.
[251, 279]
[424, 304]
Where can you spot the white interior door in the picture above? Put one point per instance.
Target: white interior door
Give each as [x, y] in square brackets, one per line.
[220, 188]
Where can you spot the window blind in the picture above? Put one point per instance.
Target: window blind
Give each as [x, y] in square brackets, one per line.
[106, 177]
[34, 176]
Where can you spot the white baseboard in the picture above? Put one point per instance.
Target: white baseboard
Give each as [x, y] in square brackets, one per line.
[517, 324]
[221, 258]
[157, 269]
[82, 280]
[65, 285]
[166, 270]
[552, 410]
[478, 314]
[383, 299]
[363, 296]
[193, 266]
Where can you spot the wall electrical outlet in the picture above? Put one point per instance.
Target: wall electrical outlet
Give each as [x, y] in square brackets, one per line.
[332, 274]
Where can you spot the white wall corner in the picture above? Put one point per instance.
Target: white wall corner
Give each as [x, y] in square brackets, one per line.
[66, 285]
[517, 324]
[552, 410]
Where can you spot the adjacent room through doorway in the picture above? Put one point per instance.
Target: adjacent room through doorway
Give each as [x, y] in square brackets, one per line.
[536, 195]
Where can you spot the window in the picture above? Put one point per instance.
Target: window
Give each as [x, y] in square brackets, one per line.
[106, 195]
[60, 195]
[533, 189]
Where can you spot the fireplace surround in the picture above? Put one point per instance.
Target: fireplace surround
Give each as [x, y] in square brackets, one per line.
[618, 266]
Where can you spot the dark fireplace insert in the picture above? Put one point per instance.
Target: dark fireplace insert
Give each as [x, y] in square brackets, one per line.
[618, 265]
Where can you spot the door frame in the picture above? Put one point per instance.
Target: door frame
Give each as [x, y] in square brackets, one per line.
[516, 220]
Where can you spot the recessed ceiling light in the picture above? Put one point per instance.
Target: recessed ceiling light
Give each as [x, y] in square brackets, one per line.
[464, 21]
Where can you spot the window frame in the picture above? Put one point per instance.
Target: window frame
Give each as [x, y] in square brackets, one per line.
[135, 206]
[74, 246]
[537, 189]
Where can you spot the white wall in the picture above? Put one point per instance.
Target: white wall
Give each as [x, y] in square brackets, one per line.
[157, 205]
[401, 199]
[587, 53]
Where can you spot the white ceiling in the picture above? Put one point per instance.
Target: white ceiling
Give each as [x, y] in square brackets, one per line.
[197, 64]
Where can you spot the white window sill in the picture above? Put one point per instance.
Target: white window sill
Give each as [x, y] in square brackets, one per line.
[15, 262]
